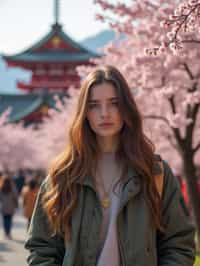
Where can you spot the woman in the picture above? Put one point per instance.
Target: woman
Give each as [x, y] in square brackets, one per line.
[99, 204]
[9, 203]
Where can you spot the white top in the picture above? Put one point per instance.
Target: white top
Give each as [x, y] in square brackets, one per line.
[109, 171]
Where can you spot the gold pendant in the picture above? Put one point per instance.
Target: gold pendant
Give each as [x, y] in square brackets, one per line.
[105, 202]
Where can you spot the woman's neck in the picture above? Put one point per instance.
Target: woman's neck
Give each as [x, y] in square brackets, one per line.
[108, 144]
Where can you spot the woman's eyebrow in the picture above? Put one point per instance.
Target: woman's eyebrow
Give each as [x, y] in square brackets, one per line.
[109, 99]
[113, 98]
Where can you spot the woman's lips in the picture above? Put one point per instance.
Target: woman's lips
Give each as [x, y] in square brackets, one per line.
[106, 124]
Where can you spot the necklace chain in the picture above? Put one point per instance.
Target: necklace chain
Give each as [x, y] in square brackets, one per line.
[105, 201]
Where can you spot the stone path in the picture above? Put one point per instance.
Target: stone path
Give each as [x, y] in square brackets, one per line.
[12, 252]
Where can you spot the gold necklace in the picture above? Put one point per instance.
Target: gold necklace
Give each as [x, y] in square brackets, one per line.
[105, 201]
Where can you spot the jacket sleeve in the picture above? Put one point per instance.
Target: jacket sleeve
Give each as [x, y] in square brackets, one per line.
[176, 245]
[45, 249]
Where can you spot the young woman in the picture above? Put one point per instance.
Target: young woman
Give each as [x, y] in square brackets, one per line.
[99, 204]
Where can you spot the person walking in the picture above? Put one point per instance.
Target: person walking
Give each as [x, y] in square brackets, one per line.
[20, 180]
[109, 199]
[8, 203]
[29, 194]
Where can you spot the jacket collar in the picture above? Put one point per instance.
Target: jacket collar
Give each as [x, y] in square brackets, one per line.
[131, 184]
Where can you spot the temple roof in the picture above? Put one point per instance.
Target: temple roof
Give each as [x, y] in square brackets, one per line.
[23, 105]
[55, 47]
[50, 57]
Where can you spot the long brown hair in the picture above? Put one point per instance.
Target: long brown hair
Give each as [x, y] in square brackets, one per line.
[6, 185]
[81, 154]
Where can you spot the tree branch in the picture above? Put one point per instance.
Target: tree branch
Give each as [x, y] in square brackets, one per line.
[157, 117]
[194, 114]
[175, 146]
[169, 137]
[175, 130]
[191, 41]
[182, 19]
[196, 148]
[189, 72]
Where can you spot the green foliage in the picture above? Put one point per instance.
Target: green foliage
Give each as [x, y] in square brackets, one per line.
[197, 261]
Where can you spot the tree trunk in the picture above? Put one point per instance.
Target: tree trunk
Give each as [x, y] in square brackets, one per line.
[194, 195]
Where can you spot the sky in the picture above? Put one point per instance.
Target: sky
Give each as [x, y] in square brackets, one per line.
[23, 22]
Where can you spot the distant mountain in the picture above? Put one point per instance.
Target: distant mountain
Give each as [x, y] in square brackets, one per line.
[9, 76]
[99, 40]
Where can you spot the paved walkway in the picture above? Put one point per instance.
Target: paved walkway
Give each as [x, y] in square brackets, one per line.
[12, 252]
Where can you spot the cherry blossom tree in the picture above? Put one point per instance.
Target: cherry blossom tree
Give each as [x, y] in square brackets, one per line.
[165, 82]
[27, 147]
[52, 135]
[18, 146]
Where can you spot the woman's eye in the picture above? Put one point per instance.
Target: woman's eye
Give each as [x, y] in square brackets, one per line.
[93, 105]
[115, 103]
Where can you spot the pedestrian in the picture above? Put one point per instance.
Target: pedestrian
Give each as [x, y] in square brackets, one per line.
[20, 180]
[8, 202]
[101, 203]
[29, 194]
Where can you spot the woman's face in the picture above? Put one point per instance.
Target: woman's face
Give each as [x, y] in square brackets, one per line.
[103, 112]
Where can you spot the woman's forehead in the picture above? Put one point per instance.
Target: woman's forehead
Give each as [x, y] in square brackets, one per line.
[102, 91]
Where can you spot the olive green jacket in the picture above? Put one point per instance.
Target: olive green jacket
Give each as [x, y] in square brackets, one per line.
[140, 243]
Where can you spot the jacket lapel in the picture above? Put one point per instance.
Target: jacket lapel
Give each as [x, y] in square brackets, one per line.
[130, 187]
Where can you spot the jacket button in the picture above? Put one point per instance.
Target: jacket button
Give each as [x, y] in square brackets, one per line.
[94, 212]
[148, 249]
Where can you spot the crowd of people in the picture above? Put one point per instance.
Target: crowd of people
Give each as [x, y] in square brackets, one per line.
[18, 190]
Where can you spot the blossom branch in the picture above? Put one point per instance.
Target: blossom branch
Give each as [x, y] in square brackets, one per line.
[196, 148]
[189, 72]
[158, 118]
[185, 20]
[175, 130]
[171, 140]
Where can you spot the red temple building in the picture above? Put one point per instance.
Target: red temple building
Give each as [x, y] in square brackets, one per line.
[52, 61]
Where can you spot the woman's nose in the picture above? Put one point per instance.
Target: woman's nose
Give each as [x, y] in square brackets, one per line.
[104, 111]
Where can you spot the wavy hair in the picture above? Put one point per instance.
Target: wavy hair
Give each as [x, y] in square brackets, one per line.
[79, 158]
[6, 184]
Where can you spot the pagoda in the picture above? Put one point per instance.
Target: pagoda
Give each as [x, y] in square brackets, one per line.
[52, 61]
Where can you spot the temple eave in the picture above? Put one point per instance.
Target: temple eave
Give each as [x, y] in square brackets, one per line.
[32, 65]
[54, 85]
[11, 63]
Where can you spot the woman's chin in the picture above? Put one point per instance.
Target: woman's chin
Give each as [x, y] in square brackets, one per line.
[106, 134]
